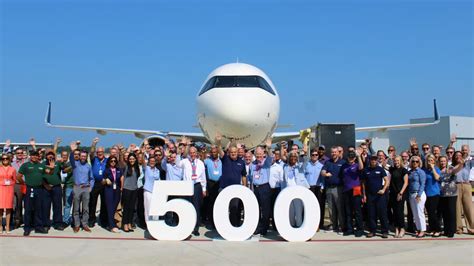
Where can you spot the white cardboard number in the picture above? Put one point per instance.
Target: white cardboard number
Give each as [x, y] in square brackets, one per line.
[221, 210]
[311, 214]
[160, 205]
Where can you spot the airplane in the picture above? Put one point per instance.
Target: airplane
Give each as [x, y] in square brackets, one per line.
[237, 101]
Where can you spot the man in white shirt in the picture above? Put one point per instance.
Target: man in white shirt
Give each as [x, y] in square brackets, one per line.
[194, 170]
[276, 177]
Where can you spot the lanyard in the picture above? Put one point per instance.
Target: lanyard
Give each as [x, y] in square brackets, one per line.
[215, 163]
[193, 167]
[114, 173]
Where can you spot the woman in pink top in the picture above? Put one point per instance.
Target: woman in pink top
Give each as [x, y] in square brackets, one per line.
[7, 185]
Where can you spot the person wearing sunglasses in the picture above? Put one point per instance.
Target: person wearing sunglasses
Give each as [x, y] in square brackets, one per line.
[417, 195]
[293, 175]
[449, 155]
[31, 173]
[375, 184]
[112, 182]
[53, 192]
[7, 189]
[352, 193]
[316, 182]
[448, 195]
[20, 189]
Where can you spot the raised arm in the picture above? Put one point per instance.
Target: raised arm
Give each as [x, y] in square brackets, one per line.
[93, 148]
[283, 151]
[452, 141]
[268, 146]
[56, 144]
[219, 145]
[359, 158]
[73, 146]
[33, 143]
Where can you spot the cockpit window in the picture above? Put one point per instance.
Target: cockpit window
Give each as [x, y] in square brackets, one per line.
[237, 81]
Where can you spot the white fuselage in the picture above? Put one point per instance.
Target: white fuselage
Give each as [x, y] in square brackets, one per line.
[247, 114]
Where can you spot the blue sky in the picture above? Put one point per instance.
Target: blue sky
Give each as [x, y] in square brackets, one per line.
[139, 64]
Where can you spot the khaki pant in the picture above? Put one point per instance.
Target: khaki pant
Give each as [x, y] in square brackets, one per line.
[465, 205]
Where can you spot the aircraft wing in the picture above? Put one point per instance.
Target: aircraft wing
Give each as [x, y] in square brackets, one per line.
[304, 134]
[403, 126]
[281, 136]
[196, 137]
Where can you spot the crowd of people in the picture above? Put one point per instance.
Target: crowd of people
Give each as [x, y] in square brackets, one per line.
[365, 191]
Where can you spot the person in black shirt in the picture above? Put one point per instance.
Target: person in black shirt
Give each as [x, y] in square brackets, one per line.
[233, 173]
[375, 184]
[397, 195]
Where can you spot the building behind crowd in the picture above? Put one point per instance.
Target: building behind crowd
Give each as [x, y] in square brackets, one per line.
[462, 126]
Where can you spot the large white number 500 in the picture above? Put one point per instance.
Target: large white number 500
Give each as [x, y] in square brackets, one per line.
[160, 205]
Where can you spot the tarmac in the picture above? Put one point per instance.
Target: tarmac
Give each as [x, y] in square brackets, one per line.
[102, 247]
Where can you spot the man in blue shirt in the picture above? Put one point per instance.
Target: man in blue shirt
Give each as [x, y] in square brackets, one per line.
[375, 184]
[213, 173]
[333, 184]
[83, 181]
[233, 173]
[316, 182]
[98, 163]
[260, 176]
[173, 173]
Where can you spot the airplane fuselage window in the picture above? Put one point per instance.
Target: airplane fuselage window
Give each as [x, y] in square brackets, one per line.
[237, 81]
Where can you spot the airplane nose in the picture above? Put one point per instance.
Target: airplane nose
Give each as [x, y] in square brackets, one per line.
[236, 112]
[240, 109]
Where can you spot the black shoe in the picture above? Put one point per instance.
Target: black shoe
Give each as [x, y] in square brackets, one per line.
[384, 235]
[46, 228]
[347, 233]
[358, 234]
[59, 227]
[196, 233]
[131, 230]
[370, 235]
[26, 233]
[41, 231]
[91, 225]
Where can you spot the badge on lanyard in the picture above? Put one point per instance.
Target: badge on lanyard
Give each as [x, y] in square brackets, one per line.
[100, 171]
[216, 170]
[257, 175]
[32, 194]
[114, 186]
[7, 182]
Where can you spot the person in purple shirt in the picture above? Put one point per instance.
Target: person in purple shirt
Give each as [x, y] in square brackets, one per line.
[352, 193]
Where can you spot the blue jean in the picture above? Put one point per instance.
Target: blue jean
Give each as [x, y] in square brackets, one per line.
[68, 197]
